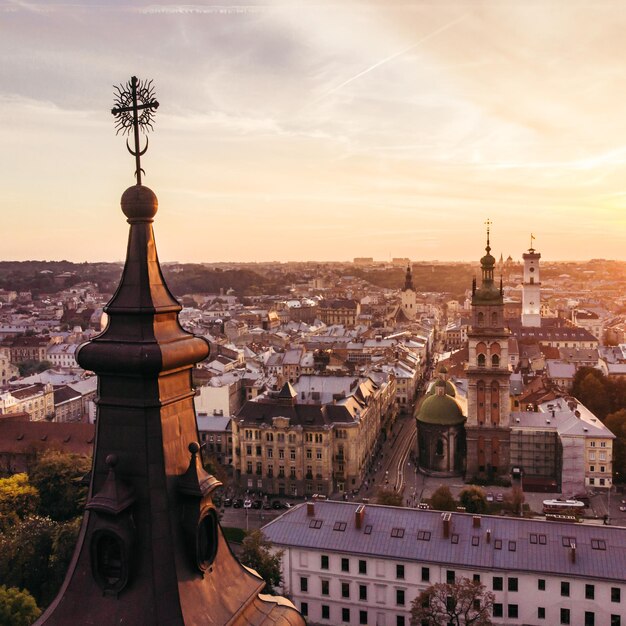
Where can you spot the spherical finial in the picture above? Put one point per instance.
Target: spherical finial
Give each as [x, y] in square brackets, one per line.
[193, 447]
[111, 460]
[139, 204]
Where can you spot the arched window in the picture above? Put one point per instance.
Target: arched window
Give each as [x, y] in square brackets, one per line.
[439, 447]
[495, 360]
[481, 351]
[480, 319]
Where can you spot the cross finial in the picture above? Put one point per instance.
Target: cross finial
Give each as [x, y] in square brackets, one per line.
[135, 107]
[488, 224]
[532, 238]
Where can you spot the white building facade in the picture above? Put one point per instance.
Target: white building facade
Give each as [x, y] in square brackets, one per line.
[531, 291]
[345, 563]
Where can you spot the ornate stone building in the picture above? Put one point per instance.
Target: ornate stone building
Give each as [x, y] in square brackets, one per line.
[488, 418]
[315, 436]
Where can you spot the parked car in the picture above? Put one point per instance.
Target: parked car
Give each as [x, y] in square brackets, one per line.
[490, 497]
[238, 503]
[228, 502]
[257, 504]
[247, 503]
[267, 505]
[277, 504]
[499, 498]
[622, 508]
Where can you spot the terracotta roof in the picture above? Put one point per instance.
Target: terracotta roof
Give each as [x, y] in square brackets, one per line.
[26, 437]
[65, 394]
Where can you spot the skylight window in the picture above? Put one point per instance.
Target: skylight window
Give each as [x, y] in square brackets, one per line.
[340, 526]
[397, 533]
[316, 523]
[423, 535]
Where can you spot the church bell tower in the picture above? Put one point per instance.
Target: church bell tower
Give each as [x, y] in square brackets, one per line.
[408, 295]
[487, 427]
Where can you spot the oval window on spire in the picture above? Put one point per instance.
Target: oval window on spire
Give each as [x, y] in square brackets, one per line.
[206, 540]
[109, 560]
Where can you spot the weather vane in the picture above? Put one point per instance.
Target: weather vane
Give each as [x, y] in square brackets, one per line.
[134, 110]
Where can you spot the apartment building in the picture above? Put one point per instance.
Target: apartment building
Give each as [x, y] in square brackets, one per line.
[348, 563]
[315, 436]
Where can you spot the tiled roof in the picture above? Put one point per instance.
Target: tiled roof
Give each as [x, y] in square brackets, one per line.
[65, 394]
[27, 437]
[514, 543]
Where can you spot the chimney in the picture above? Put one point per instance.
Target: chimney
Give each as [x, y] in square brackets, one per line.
[476, 521]
[359, 514]
[572, 551]
[488, 534]
[310, 509]
[446, 518]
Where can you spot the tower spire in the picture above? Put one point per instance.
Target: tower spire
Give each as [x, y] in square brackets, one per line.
[151, 550]
[408, 280]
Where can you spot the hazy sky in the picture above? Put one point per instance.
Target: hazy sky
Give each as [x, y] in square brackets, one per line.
[318, 130]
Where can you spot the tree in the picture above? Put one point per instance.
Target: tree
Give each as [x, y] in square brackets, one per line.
[462, 603]
[258, 554]
[593, 389]
[56, 476]
[33, 367]
[516, 500]
[616, 423]
[390, 497]
[35, 555]
[473, 499]
[17, 608]
[442, 499]
[18, 498]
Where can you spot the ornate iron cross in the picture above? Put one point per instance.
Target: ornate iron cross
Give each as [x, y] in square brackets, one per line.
[135, 107]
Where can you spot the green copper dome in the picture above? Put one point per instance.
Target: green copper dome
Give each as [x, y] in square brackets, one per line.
[440, 409]
[432, 388]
